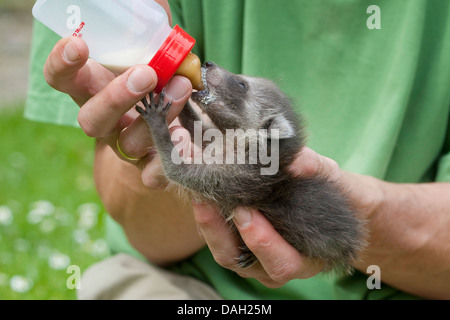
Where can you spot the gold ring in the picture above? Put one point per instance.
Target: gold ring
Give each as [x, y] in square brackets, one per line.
[123, 154]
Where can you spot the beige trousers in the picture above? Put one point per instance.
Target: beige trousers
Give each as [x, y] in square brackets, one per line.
[123, 277]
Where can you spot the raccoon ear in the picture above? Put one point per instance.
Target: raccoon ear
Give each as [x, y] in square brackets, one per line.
[281, 125]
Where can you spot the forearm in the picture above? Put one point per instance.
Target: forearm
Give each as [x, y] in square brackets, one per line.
[409, 235]
[158, 223]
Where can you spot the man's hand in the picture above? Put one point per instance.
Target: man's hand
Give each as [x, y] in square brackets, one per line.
[107, 102]
[157, 223]
[279, 262]
[408, 232]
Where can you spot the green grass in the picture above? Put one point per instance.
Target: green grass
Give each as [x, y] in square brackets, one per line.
[16, 4]
[50, 214]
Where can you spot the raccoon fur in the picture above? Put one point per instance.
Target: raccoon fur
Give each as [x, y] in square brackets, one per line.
[312, 214]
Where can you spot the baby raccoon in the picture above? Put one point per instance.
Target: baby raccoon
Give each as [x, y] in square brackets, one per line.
[312, 214]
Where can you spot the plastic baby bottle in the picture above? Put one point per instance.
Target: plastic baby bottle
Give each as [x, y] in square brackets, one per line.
[124, 33]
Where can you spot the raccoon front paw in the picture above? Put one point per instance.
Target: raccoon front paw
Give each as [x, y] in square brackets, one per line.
[154, 113]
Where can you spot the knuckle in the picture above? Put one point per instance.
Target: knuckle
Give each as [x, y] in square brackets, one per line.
[50, 75]
[135, 146]
[258, 242]
[154, 178]
[54, 70]
[272, 284]
[154, 183]
[89, 128]
[243, 274]
[204, 216]
[307, 164]
[262, 278]
[282, 273]
[131, 148]
[310, 164]
[310, 169]
[152, 175]
[333, 169]
[225, 261]
[333, 165]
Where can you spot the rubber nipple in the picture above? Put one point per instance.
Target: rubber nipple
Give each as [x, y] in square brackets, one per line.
[191, 69]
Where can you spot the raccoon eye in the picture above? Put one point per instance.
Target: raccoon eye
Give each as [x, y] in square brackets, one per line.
[243, 85]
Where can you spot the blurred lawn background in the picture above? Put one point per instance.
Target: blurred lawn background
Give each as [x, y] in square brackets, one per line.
[50, 214]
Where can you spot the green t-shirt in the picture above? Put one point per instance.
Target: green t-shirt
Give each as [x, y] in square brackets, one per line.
[375, 100]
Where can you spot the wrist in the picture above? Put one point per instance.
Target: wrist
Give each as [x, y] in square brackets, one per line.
[366, 193]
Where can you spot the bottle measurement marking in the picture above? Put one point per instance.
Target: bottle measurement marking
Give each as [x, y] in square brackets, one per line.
[77, 32]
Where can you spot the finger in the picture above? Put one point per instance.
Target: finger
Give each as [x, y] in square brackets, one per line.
[280, 260]
[153, 176]
[68, 70]
[165, 5]
[223, 244]
[100, 115]
[136, 140]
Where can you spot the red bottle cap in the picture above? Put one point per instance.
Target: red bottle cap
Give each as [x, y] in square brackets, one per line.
[170, 56]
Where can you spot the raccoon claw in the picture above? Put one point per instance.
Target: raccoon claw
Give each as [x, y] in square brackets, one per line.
[154, 110]
[246, 259]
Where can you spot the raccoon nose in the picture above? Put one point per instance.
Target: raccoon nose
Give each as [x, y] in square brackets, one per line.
[209, 64]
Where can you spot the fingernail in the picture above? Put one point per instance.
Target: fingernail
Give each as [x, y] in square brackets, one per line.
[242, 217]
[71, 53]
[139, 80]
[178, 88]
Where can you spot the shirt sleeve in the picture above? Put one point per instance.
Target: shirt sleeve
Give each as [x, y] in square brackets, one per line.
[443, 168]
[44, 103]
